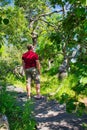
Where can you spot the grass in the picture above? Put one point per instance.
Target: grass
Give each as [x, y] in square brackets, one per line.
[16, 81]
[49, 84]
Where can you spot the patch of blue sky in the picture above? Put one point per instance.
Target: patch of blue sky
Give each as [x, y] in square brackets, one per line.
[58, 7]
[9, 2]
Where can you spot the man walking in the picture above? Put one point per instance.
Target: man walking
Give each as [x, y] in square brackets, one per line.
[31, 66]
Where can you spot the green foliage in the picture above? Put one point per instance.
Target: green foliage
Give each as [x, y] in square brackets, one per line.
[48, 83]
[62, 3]
[31, 6]
[14, 28]
[76, 17]
[33, 11]
[18, 118]
[70, 105]
[53, 71]
[58, 2]
[79, 88]
[84, 125]
[63, 92]
[81, 72]
[27, 119]
[64, 97]
[5, 69]
[0, 20]
[80, 109]
[9, 60]
[55, 37]
[74, 32]
[5, 21]
[7, 104]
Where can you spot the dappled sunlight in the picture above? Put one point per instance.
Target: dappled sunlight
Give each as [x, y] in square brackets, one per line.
[52, 115]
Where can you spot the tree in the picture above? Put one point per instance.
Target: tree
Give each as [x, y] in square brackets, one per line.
[36, 12]
[15, 31]
[72, 26]
[74, 34]
[13, 35]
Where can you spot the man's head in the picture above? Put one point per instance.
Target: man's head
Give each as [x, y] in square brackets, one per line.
[30, 47]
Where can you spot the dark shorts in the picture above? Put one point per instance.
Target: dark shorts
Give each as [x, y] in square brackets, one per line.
[32, 74]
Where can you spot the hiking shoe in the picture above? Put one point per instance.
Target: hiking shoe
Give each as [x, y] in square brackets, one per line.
[38, 97]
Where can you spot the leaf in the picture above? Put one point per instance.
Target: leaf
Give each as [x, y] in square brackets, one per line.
[84, 2]
[5, 21]
[0, 20]
[80, 12]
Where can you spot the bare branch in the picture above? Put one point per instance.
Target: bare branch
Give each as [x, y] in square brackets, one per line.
[50, 13]
[43, 15]
[49, 23]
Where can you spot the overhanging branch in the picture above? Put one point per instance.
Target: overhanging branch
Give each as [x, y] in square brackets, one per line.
[50, 13]
[42, 15]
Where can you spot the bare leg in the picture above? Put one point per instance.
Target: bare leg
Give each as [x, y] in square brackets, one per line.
[38, 89]
[38, 96]
[28, 89]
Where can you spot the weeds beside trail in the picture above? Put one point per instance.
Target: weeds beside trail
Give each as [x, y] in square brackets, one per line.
[19, 112]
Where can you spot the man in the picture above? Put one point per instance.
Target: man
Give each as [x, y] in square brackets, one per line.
[31, 65]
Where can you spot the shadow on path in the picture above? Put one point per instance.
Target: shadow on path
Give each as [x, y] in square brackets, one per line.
[50, 115]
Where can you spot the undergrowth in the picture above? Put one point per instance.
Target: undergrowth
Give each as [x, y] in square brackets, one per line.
[19, 118]
[65, 91]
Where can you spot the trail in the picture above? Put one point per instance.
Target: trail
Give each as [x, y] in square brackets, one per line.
[49, 114]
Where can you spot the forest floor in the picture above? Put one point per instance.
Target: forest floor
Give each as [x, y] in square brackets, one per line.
[49, 114]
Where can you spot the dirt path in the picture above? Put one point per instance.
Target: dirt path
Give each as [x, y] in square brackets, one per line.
[50, 115]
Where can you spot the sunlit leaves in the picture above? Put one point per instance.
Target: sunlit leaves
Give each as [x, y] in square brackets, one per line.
[55, 37]
[33, 7]
[0, 20]
[59, 2]
[64, 97]
[74, 31]
[62, 2]
[5, 20]
[13, 24]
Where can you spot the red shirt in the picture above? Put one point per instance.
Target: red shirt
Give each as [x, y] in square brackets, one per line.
[30, 58]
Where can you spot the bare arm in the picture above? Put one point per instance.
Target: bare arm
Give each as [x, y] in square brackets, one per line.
[38, 65]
